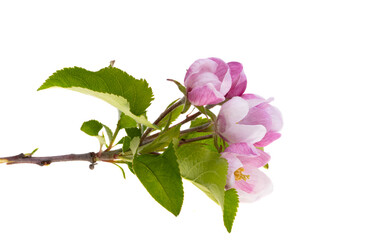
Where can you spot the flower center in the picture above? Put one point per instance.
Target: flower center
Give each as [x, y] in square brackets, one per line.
[239, 174]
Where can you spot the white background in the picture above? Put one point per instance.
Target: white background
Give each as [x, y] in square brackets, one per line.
[319, 60]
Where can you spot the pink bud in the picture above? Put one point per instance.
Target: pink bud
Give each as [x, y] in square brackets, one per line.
[207, 81]
[250, 119]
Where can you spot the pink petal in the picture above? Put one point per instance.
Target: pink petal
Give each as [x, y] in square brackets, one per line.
[202, 79]
[239, 80]
[236, 68]
[254, 161]
[268, 138]
[244, 186]
[200, 66]
[261, 184]
[248, 155]
[221, 124]
[241, 148]
[223, 73]
[244, 133]
[226, 83]
[276, 117]
[253, 100]
[233, 164]
[237, 90]
[234, 110]
[258, 116]
[222, 68]
[205, 95]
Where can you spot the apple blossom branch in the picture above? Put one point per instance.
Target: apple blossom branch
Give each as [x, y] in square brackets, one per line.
[114, 156]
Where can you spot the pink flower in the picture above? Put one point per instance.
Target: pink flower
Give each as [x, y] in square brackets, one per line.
[261, 112]
[243, 173]
[207, 81]
[229, 126]
[239, 80]
[250, 119]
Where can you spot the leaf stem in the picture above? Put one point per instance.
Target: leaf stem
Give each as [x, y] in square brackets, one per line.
[162, 116]
[192, 117]
[114, 136]
[184, 141]
[194, 129]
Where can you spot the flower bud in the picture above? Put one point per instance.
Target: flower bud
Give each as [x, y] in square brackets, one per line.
[250, 119]
[207, 81]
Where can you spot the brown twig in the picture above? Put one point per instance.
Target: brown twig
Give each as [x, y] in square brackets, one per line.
[44, 161]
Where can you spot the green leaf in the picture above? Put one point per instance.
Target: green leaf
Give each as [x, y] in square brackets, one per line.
[127, 122]
[161, 177]
[199, 121]
[204, 168]
[180, 86]
[134, 145]
[162, 141]
[133, 132]
[130, 167]
[129, 95]
[231, 204]
[126, 143]
[109, 133]
[91, 127]
[101, 139]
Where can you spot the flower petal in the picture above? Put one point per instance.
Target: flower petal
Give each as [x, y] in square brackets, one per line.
[205, 95]
[200, 66]
[253, 99]
[258, 116]
[226, 83]
[233, 164]
[239, 80]
[268, 139]
[248, 155]
[276, 118]
[241, 148]
[202, 79]
[244, 133]
[222, 68]
[262, 186]
[234, 110]
[244, 186]
[254, 161]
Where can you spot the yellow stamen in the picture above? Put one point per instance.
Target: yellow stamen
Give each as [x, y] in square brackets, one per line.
[239, 174]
